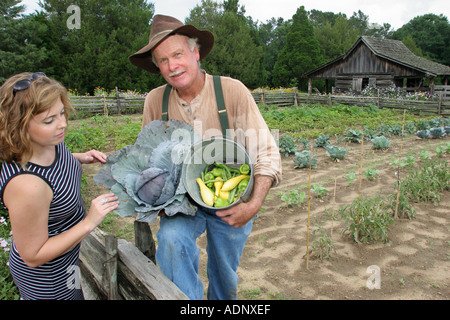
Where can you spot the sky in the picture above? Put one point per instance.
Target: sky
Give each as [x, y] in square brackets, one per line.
[395, 12]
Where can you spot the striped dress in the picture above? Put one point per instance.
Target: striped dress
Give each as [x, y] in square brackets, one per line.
[57, 279]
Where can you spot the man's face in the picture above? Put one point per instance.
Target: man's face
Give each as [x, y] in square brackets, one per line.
[176, 62]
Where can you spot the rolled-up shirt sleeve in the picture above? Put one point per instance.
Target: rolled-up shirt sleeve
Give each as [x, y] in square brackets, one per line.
[251, 130]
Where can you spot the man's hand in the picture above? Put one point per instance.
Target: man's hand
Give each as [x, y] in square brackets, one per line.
[238, 215]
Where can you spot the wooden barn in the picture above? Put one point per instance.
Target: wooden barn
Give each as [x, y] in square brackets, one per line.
[379, 63]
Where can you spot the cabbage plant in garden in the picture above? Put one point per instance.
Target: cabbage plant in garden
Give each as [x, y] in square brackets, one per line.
[336, 153]
[146, 176]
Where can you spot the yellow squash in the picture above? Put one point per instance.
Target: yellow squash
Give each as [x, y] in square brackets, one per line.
[224, 194]
[230, 184]
[206, 193]
[218, 186]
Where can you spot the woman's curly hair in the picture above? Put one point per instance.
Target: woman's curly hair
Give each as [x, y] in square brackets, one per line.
[17, 109]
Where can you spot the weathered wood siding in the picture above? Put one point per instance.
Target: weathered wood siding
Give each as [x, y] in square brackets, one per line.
[363, 62]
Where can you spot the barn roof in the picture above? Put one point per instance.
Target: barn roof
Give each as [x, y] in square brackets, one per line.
[395, 51]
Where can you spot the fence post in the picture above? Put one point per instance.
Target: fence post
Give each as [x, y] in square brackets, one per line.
[119, 107]
[143, 239]
[378, 98]
[105, 109]
[295, 97]
[111, 267]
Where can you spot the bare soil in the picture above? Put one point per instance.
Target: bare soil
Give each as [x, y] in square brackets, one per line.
[414, 264]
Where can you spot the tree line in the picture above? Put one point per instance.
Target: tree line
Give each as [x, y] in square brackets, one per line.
[273, 53]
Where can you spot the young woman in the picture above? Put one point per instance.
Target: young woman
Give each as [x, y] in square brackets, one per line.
[40, 188]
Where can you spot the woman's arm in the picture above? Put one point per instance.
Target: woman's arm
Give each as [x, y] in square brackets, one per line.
[28, 198]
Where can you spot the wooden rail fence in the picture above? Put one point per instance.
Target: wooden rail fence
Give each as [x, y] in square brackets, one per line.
[115, 269]
[441, 106]
[283, 98]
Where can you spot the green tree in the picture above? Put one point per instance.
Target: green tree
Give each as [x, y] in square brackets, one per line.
[431, 33]
[97, 53]
[411, 44]
[301, 53]
[235, 53]
[272, 35]
[335, 36]
[19, 51]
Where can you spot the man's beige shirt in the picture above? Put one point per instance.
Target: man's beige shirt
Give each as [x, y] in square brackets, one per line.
[247, 125]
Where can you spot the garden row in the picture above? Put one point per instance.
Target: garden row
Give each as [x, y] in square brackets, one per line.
[368, 218]
[425, 129]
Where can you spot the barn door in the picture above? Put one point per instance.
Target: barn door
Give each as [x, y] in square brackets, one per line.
[357, 84]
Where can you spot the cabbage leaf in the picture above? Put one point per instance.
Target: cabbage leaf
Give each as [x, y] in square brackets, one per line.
[146, 177]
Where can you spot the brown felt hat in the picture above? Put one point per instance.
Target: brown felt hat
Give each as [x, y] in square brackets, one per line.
[163, 27]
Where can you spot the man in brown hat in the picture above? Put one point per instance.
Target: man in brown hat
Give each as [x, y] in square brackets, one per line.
[175, 50]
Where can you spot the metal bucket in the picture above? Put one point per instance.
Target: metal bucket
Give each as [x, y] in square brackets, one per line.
[205, 153]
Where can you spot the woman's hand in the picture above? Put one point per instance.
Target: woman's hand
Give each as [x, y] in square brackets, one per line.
[92, 156]
[100, 207]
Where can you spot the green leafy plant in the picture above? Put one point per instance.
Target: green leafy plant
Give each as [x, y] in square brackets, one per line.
[437, 133]
[126, 134]
[425, 155]
[400, 203]
[302, 159]
[405, 162]
[380, 143]
[354, 136]
[322, 140]
[367, 219]
[322, 245]
[447, 130]
[8, 290]
[446, 147]
[423, 134]
[85, 138]
[319, 190]
[350, 177]
[369, 134]
[383, 130]
[336, 153]
[293, 197]
[423, 125]
[304, 142]
[428, 182]
[396, 130]
[410, 127]
[146, 176]
[371, 174]
[287, 145]
[439, 152]
[435, 122]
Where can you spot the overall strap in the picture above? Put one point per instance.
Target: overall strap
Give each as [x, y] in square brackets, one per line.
[219, 99]
[221, 104]
[165, 103]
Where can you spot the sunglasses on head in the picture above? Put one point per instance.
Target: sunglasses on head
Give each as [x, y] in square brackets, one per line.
[25, 83]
